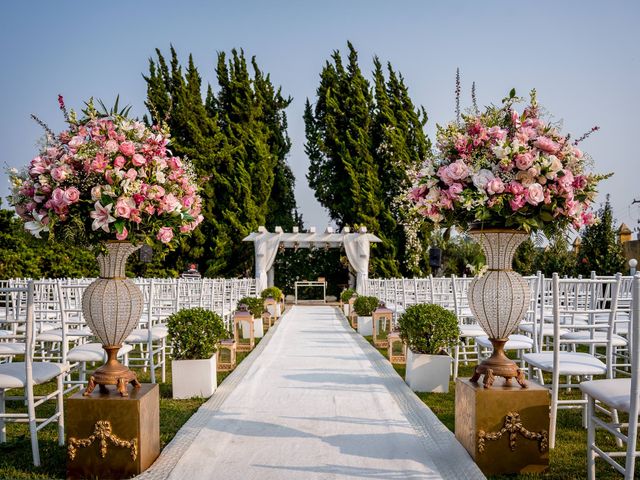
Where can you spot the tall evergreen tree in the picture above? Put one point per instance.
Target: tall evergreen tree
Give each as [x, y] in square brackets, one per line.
[600, 250]
[362, 142]
[237, 138]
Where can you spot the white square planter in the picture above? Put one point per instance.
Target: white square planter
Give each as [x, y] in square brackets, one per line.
[345, 309]
[365, 326]
[428, 373]
[258, 329]
[194, 378]
[274, 310]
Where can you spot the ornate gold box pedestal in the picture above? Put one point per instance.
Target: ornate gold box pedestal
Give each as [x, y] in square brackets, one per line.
[504, 429]
[112, 437]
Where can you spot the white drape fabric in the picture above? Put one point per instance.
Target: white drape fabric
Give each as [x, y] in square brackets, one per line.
[266, 249]
[357, 248]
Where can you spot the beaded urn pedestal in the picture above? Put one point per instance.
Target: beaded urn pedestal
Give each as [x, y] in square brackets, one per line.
[112, 306]
[499, 300]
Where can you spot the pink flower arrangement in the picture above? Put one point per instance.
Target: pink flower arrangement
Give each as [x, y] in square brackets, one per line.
[501, 168]
[107, 177]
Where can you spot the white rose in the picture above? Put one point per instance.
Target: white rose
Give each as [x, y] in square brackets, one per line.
[481, 178]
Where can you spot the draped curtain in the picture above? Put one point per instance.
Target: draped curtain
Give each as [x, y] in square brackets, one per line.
[266, 249]
[357, 248]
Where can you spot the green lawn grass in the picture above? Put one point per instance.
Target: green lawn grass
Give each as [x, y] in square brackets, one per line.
[15, 455]
[567, 461]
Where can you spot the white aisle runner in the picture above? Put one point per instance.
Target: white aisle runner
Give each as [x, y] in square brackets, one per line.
[318, 403]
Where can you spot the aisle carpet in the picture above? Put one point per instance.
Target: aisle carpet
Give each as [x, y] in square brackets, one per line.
[316, 402]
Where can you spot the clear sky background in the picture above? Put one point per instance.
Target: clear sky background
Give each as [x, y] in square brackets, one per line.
[581, 56]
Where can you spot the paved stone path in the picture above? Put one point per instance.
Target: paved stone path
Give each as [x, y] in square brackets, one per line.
[314, 401]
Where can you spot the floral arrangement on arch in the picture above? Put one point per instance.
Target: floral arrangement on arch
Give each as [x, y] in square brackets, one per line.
[107, 177]
[501, 168]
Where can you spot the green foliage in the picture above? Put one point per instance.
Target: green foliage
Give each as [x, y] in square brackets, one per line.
[309, 264]
[273, 292]
[364, 306]
[346, 295]
[557, 257]
[429, 328]
[24, 256]
[524, 260]
[194, 333]
[600, 250]
[237, 139]
[362, 143]
[255, 305]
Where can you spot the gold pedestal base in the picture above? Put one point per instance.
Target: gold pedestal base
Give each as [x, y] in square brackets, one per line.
[499, 365]
[112, 373]
[109, 436]
[504, 429]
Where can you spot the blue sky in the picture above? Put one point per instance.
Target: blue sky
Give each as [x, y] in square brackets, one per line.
[582, 57]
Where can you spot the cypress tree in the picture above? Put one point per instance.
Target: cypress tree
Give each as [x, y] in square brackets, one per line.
[237, 139]
[600, 250]
[362, 142]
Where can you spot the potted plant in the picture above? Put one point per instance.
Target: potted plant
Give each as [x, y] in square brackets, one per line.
[345, 296]
[276, 294]
[364, 307]
[256, 307]
[428, 331]
[194, 334]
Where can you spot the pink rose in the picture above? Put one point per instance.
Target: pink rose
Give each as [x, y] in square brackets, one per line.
[495, 186]
[577, 152]
[59, 174]
[127, 148]
[458, 170]
[524, 161]
[174, 163]
[165, 234]
[119, 161]
[546, 145]
[566, 180]
[124, 206]
[123, 235]
[71, 195]
[517, 203]
[76, 141]
[454, 191]
[497, 133]
[57, 197]
[111, 146]
[534, 194]
[131, 174]
[138, 160]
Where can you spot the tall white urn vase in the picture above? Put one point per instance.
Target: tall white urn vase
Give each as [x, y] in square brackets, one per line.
[499, 300]
[112, 305]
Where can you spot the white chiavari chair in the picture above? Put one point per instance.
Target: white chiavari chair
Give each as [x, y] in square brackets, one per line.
[619, 394]
[572, 302]
[26, 374]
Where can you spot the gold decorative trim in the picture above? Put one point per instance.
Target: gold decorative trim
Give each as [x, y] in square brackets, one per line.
[513, 426]
[102, 431]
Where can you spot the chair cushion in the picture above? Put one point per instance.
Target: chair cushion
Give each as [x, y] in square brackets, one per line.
[601, 338]
[93, 352]
[471, 330]
[571, 363]
[615, 392]
[141, 335]
[14, 375]
[11, 348]
[515, 342]
[55, 335]
[395, 308]
[547, 329]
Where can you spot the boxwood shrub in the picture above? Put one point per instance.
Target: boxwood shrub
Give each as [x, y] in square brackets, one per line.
[364, 306]
[429, 328]
[273, 292]
[255, 304]
[346, 295]
[194, 333]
